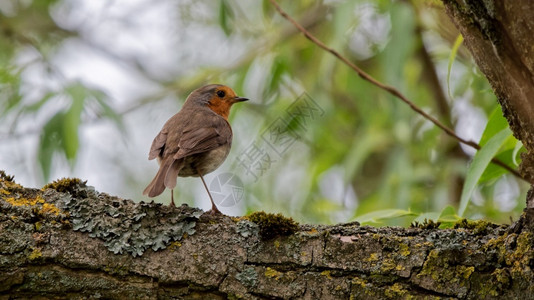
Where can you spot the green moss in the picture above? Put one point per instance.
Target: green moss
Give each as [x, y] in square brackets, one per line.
[5, 177]
[272, 225]
[477, 226]
[7, 184]
[65, 185]
[427, 224]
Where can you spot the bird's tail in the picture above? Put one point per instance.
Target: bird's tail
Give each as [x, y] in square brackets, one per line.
[165, 178]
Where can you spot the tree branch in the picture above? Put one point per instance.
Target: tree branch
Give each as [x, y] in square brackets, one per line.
[59, 242]
[393, 91]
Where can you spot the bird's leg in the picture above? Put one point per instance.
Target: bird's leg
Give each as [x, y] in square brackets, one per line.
[214, 208]
[172, 198]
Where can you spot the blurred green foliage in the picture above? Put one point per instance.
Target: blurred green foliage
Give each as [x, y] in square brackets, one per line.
[367, 157]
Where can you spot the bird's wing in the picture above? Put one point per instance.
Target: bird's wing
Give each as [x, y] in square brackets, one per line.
[158, 144]
[204, 134]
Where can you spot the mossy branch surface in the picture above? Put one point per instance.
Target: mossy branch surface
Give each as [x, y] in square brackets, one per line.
[68, 240]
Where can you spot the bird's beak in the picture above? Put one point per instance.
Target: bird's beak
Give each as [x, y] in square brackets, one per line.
[240, 99]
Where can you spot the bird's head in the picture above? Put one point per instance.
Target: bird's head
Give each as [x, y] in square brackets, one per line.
[219, 98]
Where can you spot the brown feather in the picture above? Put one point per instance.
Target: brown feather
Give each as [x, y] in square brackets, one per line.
[157, 185]
[172, 173]
[158, 145]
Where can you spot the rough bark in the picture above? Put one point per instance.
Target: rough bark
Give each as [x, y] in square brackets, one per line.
[218, 257]
[500, 35]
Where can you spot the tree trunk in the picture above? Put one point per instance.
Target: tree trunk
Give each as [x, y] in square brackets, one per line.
[68, 240]
[500, 35]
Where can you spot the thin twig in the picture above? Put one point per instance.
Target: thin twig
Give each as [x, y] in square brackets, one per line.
[390, 90]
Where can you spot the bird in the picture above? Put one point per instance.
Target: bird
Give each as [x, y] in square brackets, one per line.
[195, 141]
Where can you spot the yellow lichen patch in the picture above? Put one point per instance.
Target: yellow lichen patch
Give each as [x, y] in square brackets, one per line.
[501, 276]
[359, 281]
[404, 250]
[517, 257]
[372, 257]
[174, 245]
[45, 208]
[326, 273]
[395, 291]
[465, 272]
[388, 265]
[36, 253]
[272, 273]
[277, 244]
[49, 208]
[25, 201]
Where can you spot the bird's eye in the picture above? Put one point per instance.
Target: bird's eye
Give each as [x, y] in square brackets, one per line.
[221, 94]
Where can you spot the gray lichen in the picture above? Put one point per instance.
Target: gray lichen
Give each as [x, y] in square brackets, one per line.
[248, 277]
[247, 228]
[125, 226]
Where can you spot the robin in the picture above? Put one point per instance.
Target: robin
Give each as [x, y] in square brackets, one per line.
[195, 141]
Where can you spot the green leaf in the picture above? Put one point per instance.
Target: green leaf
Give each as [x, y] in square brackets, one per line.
[225, 15]
[278, 68]
[72, 120]
[494, 171]
[496, 123]
[376, 216]
[50, 142]
[478, 165]
[37, 105]
[448, 215]
[107, 111]
[452, 57]
[518, 149]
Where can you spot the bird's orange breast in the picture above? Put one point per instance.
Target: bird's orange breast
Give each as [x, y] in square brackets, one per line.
[220, 107]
